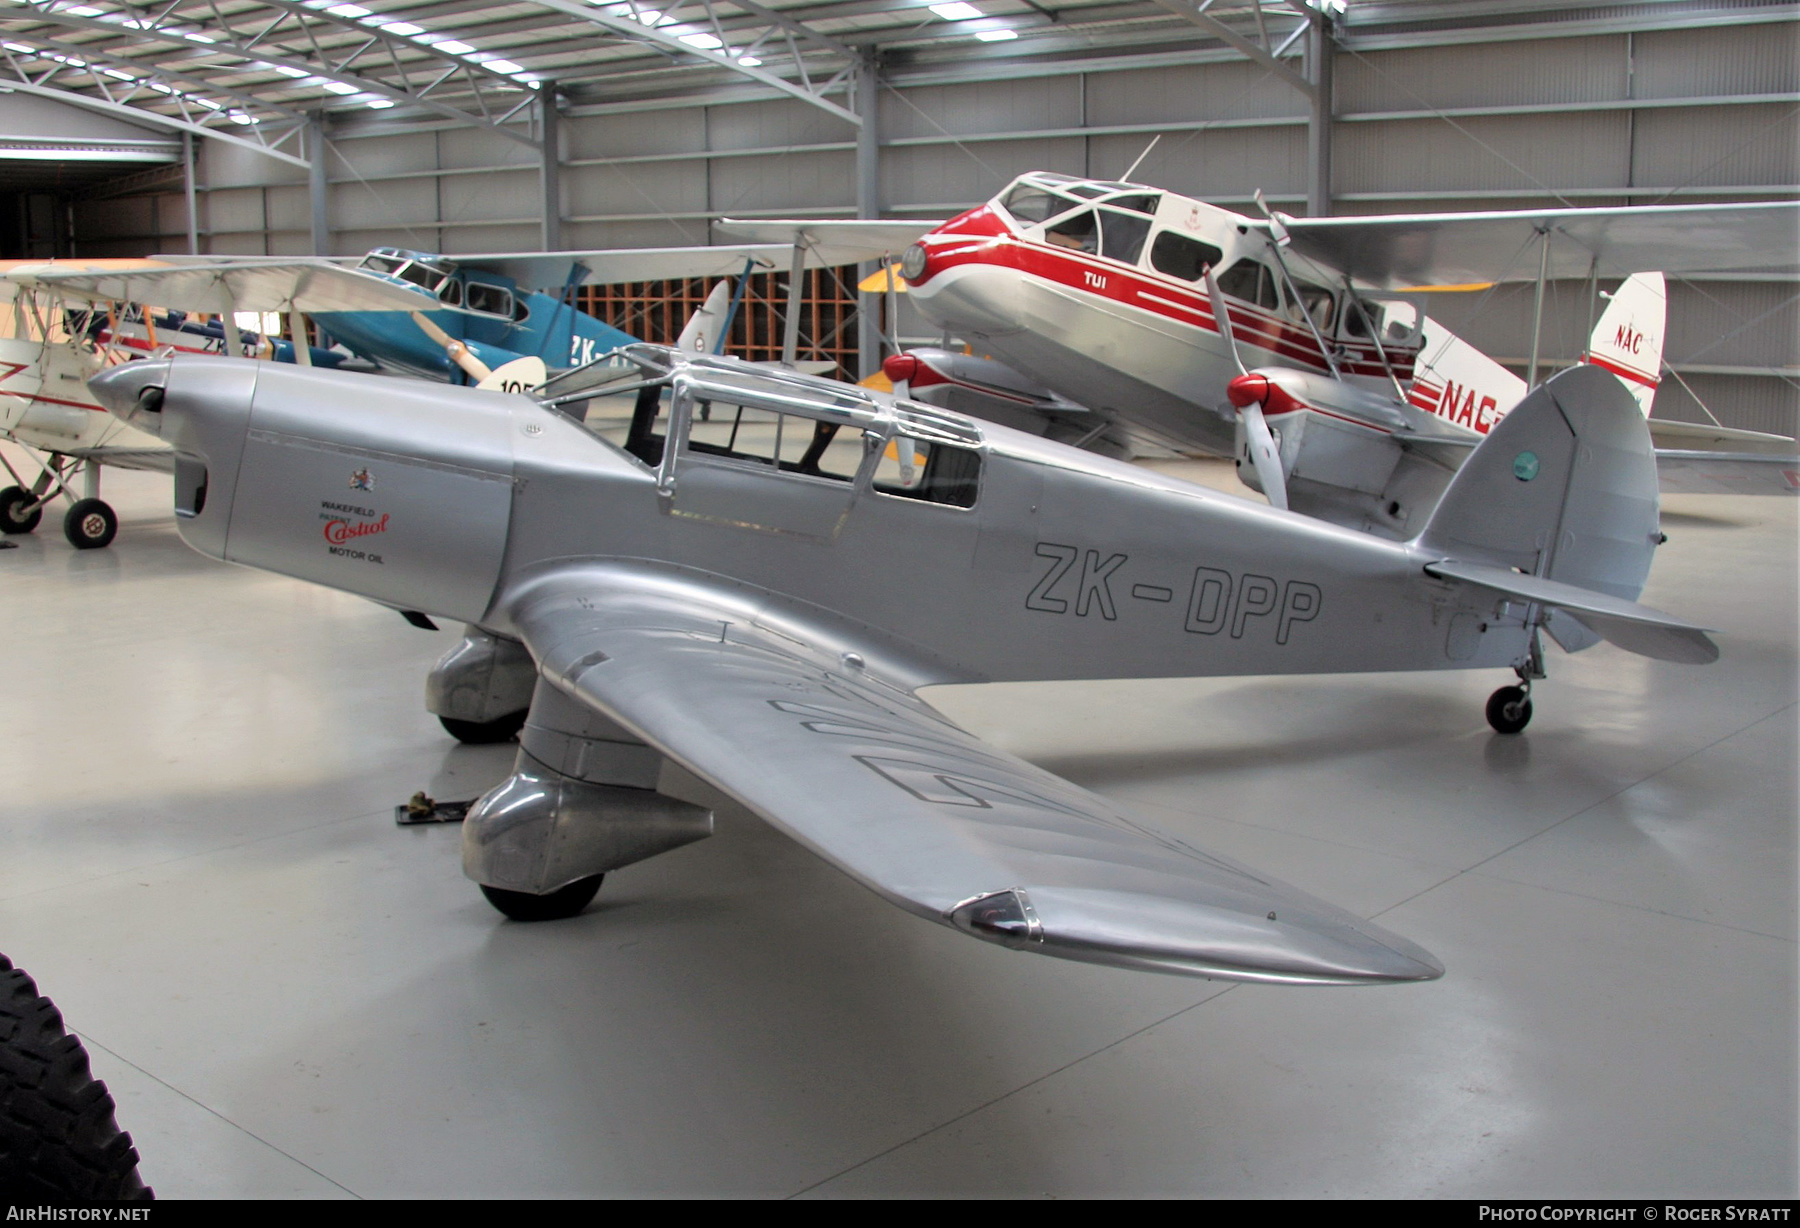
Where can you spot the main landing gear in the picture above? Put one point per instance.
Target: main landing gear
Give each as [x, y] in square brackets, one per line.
[1509, 708]
[90, 522]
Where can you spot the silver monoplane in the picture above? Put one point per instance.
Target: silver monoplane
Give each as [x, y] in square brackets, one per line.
[752, 573]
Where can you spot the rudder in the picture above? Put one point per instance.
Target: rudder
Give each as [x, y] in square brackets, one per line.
[1563, 488]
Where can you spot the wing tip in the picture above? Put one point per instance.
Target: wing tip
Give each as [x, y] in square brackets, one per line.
[1158, 934]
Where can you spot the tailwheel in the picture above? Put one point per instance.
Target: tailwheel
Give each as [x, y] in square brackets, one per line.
[482, 733]
[1509, 709]
[20, 510]
[90, 524]
[561, 903]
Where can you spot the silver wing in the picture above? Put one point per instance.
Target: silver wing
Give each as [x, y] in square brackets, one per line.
[1428, 248]
[301, 284]
[834, 241]
[1695, 458]
[817, 741]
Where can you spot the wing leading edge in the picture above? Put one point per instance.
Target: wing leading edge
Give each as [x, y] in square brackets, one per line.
[815, 740]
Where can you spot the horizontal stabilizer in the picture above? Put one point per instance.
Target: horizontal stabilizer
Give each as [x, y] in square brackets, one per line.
[1633, 627]
[1727, 473]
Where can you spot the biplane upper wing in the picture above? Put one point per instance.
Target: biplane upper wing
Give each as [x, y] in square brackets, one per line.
[1412, 249]
[817, 730]
[299, 284]
[833, 241]
[550, 270]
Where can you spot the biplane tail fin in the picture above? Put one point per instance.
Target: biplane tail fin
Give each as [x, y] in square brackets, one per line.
[1628, 339]
[1558, 508]
[701, 333]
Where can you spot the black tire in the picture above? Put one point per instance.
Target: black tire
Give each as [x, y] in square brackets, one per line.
[90, 524]
[563, 902]
[12, 519]
[1509, 709]
[482, 733]
[59, 1140]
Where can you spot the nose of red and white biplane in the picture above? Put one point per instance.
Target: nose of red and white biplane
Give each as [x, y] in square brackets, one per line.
[962, 278]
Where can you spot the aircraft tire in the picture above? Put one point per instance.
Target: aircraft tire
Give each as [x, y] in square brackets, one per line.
[90, 524]
[11, 521]
[1509, 709]
[484, 733]
[59, 1140]
[563, 902]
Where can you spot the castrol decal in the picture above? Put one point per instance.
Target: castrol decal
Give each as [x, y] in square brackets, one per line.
[346, 524]
[337, 532]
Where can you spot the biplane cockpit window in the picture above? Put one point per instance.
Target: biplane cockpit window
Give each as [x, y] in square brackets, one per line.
[1360, 317]
[451, 293]
[1179, 256]
[491, 300]
[379, 261]
[1315, 301]
[1252, 282]
[1079, 233]
[1137, 203]
[422, 274]
[929, 471]
[1029, 204]
[1123, 235]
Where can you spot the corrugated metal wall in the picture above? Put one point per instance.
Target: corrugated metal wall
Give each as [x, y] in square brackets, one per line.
[1695, 114]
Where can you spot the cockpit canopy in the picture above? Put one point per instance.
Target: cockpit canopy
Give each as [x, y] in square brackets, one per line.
[769, 421]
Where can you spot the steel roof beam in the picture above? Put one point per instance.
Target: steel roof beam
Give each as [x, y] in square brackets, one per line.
[266, 47]
[1265, 52]
[781, 39]
[268, 139]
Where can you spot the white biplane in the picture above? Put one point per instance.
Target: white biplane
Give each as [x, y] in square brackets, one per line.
[471, 319]
[57, 331]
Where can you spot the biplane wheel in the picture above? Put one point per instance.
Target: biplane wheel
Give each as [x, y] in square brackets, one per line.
[1509, 709]
[59, 1139]
[13, 517]
[563, 902]
[90, 524]
[484, 733]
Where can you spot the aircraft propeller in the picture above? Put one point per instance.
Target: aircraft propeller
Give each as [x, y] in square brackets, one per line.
[1247, 392]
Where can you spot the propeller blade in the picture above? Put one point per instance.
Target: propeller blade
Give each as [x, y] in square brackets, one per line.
[1264, 456]
[458, 352]
[1223, 318]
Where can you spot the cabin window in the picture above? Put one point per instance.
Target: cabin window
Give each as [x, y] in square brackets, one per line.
[1137, 204]
[520, 310]
[1079, 233]
[1251, 282]
[1179, 256]
[1030, 204]
[1315, 301]
[1361, 318]
[928, 471]
[1123, 235]
[490, 300]
[451, 293]
[786, 442]
[420, 275]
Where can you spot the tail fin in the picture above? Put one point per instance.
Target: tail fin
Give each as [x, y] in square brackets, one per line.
[702, 328]
[1460, 384]
[1628, 340]
[1564, 491]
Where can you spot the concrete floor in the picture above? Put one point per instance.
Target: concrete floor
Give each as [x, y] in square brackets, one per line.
[290, 996]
